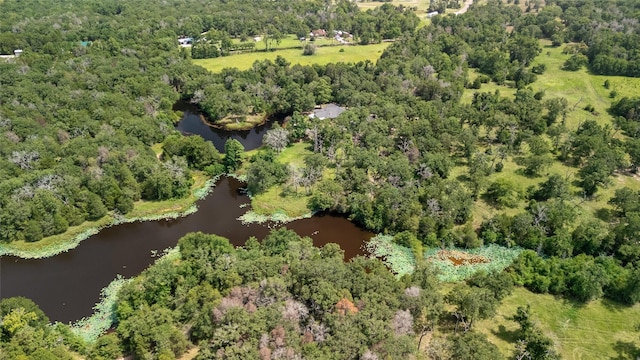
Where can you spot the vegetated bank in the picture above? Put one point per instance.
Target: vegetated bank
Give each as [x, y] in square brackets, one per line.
[80, 110]
[142, 211]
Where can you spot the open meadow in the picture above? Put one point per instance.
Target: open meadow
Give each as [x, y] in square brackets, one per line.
[288, 42]
[580, 88]
[280, 198]
[599, 329]
[324, 55]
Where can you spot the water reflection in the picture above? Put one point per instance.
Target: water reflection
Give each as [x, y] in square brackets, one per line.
[67, 286]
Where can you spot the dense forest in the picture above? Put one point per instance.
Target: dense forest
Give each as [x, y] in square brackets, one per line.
[94, 89]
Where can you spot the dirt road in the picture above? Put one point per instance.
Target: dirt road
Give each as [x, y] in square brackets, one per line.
[464, 8]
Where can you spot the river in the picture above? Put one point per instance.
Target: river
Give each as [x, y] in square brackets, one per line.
[67, 286]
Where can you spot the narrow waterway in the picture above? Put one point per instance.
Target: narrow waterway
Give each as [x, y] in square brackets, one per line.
[193, 123]
[67, 286]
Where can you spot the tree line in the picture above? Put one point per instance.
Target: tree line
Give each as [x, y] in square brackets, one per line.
[281, 298]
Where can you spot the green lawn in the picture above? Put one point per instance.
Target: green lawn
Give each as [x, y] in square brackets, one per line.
[598, 330]
[324, 55]
[279, 198]
[289, 41]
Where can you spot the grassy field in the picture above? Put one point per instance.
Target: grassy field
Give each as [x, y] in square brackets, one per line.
[421, 7]
[579, 88]
[288, 42]
[324, 55]
[278, 198]
[598, 330]
[144, 209]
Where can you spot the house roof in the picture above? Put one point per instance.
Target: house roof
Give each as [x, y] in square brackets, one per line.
[329, 111]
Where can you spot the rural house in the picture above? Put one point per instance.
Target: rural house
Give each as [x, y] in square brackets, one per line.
[329, 111]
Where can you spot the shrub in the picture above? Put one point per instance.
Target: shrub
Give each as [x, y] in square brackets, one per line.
[539, 69]
[504, 192]
[309, 49]
[575, 62]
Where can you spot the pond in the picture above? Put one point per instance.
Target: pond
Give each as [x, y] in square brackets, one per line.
[194, 123]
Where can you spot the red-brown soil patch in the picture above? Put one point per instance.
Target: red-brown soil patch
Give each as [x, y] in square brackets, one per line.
[459, 258]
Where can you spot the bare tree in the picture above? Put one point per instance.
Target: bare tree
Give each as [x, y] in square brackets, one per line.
[24, 159]
[402, 322]
[276, 138]
[316, 137]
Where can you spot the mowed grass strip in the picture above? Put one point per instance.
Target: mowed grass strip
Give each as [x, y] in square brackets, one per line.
[600, 329]
[324, 55]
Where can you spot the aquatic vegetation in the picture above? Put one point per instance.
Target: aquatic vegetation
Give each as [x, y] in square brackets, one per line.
[398, 258]
[90, 328]
[44, 250]
[104, 316]
[457, 264]
[279, 217]
[202, 192]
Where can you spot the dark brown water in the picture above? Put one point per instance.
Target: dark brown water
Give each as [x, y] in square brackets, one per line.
[68, 285]
[193, 122]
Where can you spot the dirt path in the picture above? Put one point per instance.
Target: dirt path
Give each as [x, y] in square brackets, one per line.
[464, 8]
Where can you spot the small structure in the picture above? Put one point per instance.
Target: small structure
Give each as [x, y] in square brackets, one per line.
[318, 33]
[432, 14]
[185, 41]
[16, 53]
[342, 37]
[329, 111]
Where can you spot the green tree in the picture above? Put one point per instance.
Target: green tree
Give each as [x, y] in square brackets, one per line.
[105, 348]
[149, 333]
[555, 186]
[471, 304]
[504, 192]
[233, 150]
[474, 345]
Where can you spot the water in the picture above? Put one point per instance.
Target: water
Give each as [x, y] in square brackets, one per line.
[193, 122]
[67, 286]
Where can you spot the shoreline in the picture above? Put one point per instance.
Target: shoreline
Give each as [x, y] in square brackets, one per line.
[75, 238]
[226, 124]
[58, 247]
